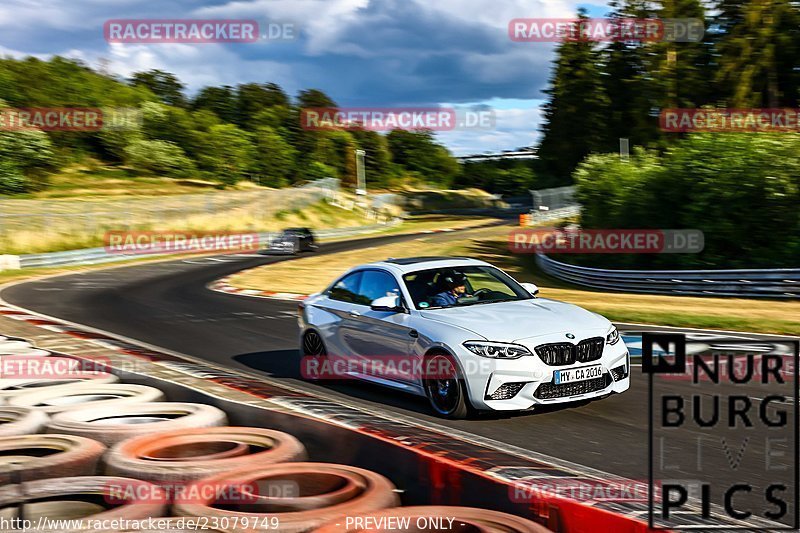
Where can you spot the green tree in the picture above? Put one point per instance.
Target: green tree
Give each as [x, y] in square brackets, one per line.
[758, 65]
[219, 100]
[418, 152]
[574, 115]
[252, 98]
[308, 142]
[337, 149]
[684, 69]
[230, 153]
[12, 180]
[164, 85]
[161, 158]
[25, 158]
[274, 159]
[378, 159]
[314, 98]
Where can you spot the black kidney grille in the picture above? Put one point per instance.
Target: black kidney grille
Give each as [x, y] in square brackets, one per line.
[556, 354]
[590, 349]
[565, 353]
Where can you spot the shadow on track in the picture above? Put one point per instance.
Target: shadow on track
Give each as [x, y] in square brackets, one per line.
[285, 364]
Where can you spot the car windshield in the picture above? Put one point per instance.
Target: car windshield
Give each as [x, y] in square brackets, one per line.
[461, 286]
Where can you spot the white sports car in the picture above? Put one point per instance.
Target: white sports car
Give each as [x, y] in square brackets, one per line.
[461, 332]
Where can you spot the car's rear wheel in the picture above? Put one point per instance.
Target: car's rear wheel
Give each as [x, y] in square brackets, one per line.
[445, 387]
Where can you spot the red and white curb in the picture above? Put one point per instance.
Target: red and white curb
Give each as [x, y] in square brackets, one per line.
[223, 285]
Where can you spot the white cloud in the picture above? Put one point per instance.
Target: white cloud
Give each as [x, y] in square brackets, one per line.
[373, 52]
[514, 128]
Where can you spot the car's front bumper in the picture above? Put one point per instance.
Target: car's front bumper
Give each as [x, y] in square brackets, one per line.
[524, 383]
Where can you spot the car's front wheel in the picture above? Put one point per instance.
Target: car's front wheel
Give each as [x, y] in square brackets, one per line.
[445, 387]
[313, 348]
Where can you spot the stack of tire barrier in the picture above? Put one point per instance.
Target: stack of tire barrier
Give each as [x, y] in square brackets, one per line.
[94, 449]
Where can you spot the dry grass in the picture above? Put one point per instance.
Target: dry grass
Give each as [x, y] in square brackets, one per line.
[67, 233]
[436, 199]
[94, 180]
[311, 274]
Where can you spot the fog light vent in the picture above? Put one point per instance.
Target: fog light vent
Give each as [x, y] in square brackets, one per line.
[506, 391]
[620, 373]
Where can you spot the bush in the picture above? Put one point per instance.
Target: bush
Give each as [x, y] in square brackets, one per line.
[159, 157]
[741, 190]
[27, 149]
[12, 180]
[317, 171]
[274, 158]
[229, 153]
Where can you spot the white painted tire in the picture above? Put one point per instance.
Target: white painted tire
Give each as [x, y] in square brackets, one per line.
[14, 387]
[32, 457]
[26, 352]
[116, 423]
[20, 421]
[77, 498]
[21, 348]
[11, 346]
[86, 395]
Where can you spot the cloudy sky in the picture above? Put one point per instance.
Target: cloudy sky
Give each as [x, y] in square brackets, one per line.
[361, 52]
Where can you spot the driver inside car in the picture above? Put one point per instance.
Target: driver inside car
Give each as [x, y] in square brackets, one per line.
[456, 284]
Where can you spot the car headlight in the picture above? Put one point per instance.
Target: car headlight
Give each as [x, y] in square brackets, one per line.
[613, 336]
[496, 350]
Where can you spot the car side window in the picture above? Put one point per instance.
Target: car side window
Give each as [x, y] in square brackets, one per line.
[376, 284]
[346, 289]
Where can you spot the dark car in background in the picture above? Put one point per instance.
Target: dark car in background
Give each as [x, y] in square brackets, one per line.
[292, 241]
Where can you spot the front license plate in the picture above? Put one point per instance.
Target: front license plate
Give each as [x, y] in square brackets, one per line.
[577, 374]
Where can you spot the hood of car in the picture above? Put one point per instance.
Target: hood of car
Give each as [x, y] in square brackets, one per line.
[514, 321]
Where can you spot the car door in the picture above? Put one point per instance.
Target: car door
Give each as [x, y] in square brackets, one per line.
[304, 241]
[340, 301]
[381, 339]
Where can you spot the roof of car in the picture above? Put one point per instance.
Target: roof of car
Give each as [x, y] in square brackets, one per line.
[423, 259]
[411, 264]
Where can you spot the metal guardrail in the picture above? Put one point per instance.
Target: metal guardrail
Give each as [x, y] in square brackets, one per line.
[94, 256]
[539, 217]
[752, 283]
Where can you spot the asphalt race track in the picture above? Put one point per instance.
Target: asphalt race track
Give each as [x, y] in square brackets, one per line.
[167, 304]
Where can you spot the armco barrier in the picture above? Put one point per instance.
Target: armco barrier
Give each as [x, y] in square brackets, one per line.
[753, 283]
[93, 256]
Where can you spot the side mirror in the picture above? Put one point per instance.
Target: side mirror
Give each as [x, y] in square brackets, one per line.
[390, 304]
[531, 288]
